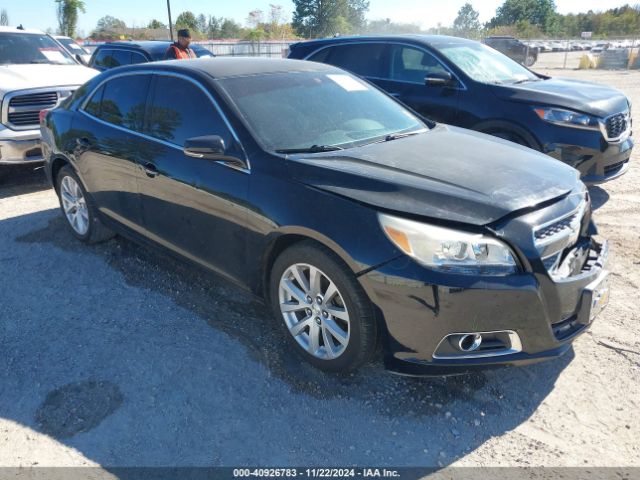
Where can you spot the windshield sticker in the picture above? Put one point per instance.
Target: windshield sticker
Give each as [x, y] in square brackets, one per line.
[53, 54]
[350, 84]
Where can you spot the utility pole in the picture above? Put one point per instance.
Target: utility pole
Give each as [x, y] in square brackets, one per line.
[170, 25]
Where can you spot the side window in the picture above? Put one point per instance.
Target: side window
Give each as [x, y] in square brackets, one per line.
[93, 106]
[321, 55]
[104, 58]
[513, 45]
[123, 101]
[409, 64]
[180, 110]
[364, 59]
[137, 58]
[121, 57]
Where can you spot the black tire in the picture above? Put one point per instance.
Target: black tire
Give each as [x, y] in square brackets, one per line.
[96, 232]
[362, 325]
[512, 137]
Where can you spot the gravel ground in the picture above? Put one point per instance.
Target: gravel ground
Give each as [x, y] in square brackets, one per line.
[116, 355]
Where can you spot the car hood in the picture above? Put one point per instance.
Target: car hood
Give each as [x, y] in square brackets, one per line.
[447, 173]
[577, 95]
[22, 77]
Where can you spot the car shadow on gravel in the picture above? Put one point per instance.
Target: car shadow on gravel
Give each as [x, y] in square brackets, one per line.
[406, 421]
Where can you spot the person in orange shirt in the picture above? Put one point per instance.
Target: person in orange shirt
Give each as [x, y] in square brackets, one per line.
[180, 50]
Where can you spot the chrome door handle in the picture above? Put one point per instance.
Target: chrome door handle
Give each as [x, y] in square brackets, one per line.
[150, 170]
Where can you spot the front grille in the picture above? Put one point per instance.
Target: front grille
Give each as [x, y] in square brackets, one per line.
[617, 125]
[32, 99]
[554, 239]
[555, 228]
[23, 110]
[22, 119]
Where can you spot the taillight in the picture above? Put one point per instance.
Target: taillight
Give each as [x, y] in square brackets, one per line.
[42, 115]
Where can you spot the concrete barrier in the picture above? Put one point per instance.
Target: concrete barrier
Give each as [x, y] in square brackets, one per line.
[614, 59]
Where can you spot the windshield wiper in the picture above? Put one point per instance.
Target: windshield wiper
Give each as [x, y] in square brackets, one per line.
[395, 136]
[311, 149]
[523, 80]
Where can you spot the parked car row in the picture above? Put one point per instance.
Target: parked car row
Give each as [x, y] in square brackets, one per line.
[326, 188]
[573, 45]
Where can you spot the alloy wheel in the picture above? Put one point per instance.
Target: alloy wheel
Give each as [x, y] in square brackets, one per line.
[74, 205]
[314, 311]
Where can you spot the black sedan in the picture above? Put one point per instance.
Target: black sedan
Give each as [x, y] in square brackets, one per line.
[465, 83]
[359, 223]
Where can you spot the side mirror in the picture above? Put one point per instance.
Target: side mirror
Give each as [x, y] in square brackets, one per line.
[439, 79]
[80, 59]
[211, 147]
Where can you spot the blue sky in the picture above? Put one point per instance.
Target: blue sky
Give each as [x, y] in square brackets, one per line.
[428, 13]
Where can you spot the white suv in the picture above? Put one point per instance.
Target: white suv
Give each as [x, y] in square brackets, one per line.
[36, 74]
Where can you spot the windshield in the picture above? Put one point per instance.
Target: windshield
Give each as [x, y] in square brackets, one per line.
[23, 48]
[72, 46]
[298, 110]
[484, 64]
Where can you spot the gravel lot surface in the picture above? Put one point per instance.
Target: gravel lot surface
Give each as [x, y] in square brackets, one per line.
[117, 355]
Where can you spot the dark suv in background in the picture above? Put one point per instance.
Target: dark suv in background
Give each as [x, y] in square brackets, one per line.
[514, 49]
[118, 54]
[468, 84]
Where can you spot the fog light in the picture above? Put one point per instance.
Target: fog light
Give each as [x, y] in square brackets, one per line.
[470, 342]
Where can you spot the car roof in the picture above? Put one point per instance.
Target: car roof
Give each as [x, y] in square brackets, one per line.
[428, 40]
[225, 67]
[150, 46]
[17, 30]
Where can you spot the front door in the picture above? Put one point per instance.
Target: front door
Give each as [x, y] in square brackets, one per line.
[193, 206]
[408, 67]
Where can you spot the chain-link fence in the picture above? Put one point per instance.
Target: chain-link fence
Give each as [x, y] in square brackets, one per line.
[246, 49]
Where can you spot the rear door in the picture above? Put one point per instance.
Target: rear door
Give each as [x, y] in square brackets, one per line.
[404, 78]
[109, 144]
[193, 206]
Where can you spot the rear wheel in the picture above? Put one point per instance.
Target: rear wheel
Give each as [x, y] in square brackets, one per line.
[78, 209]
[321, 308]
[529, 60]
[512, 137]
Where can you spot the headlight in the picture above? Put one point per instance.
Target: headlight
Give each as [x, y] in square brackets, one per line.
[567, 118]
[449, 250]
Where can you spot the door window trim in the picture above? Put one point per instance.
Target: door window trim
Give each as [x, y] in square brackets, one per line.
[461, 84]
[82, 106]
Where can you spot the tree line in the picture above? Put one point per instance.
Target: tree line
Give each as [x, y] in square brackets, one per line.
[322, 18]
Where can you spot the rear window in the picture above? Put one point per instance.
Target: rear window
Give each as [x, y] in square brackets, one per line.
[121, 101]
[111, 58]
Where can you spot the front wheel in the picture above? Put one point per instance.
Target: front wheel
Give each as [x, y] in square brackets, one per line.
[322, 309]
[78, 209]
